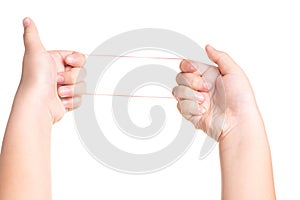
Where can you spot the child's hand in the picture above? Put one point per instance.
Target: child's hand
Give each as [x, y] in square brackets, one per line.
[47, 74]
[214, 99]
[71, 85]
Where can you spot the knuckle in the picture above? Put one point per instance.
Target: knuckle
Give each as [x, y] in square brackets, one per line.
[180, 92]
[174, 91]
[178, 78]
[178, 107]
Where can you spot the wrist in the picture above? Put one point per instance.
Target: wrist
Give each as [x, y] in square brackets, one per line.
[29, 103]
[247, 126]
[39, 99]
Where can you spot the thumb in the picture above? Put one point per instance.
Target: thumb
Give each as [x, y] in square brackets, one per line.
[225, 63]
[32, 40]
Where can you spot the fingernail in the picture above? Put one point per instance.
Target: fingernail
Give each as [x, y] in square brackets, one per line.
[60, 79]
[64, 91]
[26, 22]
[207, 85]
[70, 58]
[199, 97]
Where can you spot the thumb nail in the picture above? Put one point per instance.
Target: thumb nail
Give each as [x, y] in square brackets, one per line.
[26, 22]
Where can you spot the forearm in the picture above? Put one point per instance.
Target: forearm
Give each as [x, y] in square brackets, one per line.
[246, 162]
[25, 156]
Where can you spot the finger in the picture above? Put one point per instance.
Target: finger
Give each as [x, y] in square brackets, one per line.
[195, 119]
[31, 37]
[193, 81]
[182, 92]
[71, 103]
[190, 108]
[71, 76]
[72, 58]
[72, 90]
[75, 59]
[187, 66]
[225, 63]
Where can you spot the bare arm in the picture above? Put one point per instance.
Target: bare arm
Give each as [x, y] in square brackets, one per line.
[246, 164]
[40, 101]
[245, 157]
[25, 156]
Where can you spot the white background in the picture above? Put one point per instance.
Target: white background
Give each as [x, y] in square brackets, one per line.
[262, 36]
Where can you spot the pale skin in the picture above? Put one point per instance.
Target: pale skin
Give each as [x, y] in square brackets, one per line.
[45, 93]
[245, 157]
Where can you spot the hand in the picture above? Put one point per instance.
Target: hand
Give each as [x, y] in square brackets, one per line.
[214, 99]
[46, 74]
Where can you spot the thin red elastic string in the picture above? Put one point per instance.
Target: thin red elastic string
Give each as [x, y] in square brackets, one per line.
[134, 57]
[130, 96]
[137, 57]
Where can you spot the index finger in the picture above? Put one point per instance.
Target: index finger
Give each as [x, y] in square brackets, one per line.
[190, 66]
[75, 59]
[72, 58]
[187, 66]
